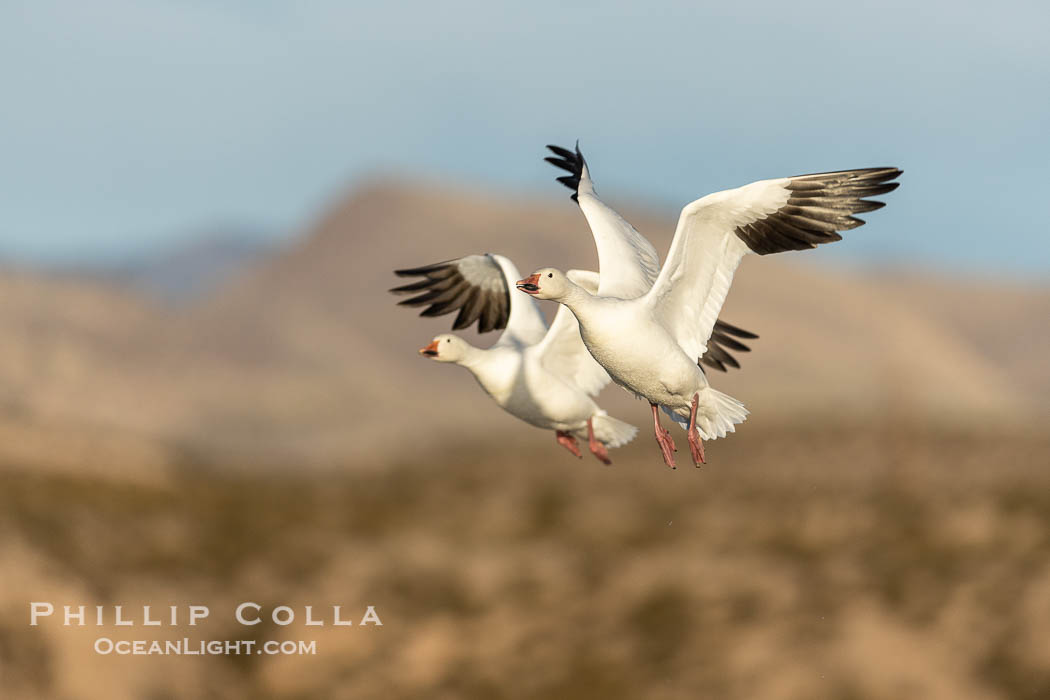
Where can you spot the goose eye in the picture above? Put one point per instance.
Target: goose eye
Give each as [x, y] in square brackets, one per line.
[550, 274]
[448, 340]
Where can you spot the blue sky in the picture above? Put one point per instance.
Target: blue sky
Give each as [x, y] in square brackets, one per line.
[128, 124]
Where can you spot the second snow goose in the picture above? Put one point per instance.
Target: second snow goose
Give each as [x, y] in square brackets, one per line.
[650, 343]
[543, 376]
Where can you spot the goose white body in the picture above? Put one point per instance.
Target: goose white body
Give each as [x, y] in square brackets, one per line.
[641, 356]
[519, 383]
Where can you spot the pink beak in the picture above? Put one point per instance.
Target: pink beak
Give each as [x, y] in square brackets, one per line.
[430, 350]
[529, 285]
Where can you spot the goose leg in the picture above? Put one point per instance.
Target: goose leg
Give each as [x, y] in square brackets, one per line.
[568, 442]
[597, 448]
[696, 445]
[663, 439]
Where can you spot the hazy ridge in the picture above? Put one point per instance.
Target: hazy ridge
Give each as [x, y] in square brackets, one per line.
[306, 355]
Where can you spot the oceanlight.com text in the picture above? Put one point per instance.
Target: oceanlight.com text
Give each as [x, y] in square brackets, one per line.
[204, 647]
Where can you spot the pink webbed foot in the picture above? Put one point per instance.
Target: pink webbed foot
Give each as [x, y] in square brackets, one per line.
[597, 448]
[569, 442]
[663, 439]
[696, 445]
[667, 447]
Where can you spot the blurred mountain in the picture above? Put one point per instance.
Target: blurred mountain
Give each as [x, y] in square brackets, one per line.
[304, 352]
[189, 270]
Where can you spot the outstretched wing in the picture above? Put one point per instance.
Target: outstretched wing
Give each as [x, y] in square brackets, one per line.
[627, 261]
[770, 216]
[562, 351]
[479, 288]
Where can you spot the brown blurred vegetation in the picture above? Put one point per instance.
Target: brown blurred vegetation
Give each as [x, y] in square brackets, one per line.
[832, 562]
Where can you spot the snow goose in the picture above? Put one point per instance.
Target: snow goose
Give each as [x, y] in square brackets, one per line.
[542, 376]
[649, 344]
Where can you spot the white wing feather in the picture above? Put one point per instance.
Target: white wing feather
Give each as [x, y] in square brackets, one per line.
[627, 261]
[692, 287]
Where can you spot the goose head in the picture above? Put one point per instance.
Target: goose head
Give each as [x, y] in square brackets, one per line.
[445, 348]
[546, 283]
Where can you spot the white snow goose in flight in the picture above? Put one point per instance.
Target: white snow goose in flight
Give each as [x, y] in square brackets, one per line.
[542, 376]
[649, 342]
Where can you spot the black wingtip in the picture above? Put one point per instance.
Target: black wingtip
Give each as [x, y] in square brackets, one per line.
[571, 161]
[425, 269]
[730, 329]
[410, 287]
